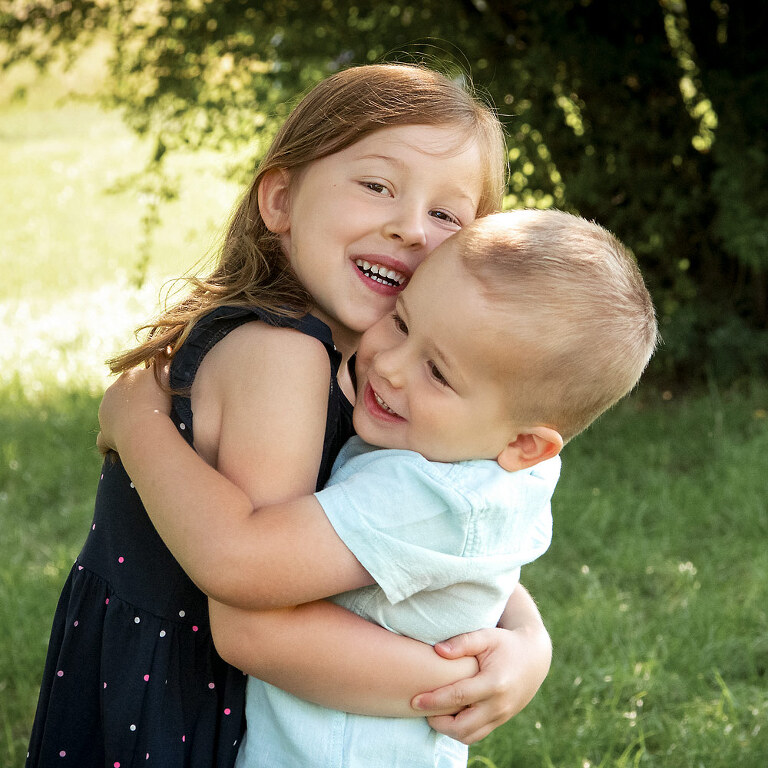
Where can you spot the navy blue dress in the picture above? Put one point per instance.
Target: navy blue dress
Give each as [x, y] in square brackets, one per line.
[132, 677]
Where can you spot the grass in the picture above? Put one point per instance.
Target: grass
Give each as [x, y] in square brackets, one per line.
[654, 590]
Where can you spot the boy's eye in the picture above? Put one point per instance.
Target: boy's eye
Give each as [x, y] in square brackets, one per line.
[399, 323]
[436, 375]
[446, 217]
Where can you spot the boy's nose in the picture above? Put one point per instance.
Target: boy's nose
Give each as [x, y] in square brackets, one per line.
[388, 365]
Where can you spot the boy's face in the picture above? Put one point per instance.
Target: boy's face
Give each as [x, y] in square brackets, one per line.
[429, 375]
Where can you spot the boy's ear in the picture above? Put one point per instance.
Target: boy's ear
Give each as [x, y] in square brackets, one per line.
[534, 445]
[274, 200]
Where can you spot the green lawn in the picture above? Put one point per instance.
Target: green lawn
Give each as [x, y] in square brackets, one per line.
[654, 589]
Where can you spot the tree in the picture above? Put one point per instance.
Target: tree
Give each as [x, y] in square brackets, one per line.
[649, 117]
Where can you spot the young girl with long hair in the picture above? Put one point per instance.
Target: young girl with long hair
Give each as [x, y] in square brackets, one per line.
[372, 170]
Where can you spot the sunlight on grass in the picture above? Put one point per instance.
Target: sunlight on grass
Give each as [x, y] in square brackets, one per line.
[65, 342]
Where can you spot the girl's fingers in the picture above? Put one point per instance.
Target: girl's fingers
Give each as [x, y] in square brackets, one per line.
[469, 644]
[468, 727]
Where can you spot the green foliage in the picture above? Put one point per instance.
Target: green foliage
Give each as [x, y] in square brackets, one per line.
[649, 117]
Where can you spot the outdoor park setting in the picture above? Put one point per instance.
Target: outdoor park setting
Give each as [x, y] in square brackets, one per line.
[127, 133]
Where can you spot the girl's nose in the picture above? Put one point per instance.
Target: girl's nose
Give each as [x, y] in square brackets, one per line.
[406, 224]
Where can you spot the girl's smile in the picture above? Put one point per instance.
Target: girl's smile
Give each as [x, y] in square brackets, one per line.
[361, 220]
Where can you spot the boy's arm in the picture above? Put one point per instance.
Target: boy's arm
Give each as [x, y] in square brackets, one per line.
[337, 660]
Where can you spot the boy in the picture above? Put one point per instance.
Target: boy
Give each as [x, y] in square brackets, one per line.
[510, 339]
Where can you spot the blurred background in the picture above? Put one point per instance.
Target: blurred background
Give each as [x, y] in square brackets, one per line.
[127, 131]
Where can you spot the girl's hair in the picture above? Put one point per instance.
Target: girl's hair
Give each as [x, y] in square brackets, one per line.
[339, 111]
[584, 323]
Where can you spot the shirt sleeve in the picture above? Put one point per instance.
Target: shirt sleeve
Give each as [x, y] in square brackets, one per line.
[418, 526]
[399, 519]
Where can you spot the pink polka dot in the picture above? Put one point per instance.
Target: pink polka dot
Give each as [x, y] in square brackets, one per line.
[93, 527]
[121, 559]
[79, 567]
[117, 764]
[106, 602]
[183, 738]
[63, 753]
[227, 711]
[147, 757]
[211, 685]
[76, 623]
[194, 629]
[60, 673]
[146, 678]
[105, 685]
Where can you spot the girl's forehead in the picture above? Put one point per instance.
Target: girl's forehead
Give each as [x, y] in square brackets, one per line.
[438, 140]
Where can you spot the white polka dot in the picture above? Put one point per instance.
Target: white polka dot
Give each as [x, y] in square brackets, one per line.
[211, 685]
[182, 614]
[133, 727]
[136, 620]
[76, 623]
[132, 485]
[162, 633]
[63, 753]
[182, 426]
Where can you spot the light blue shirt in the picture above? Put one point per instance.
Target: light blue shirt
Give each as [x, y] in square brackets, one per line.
[444, 543]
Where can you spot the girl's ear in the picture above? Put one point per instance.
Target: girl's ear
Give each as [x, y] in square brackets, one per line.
[530, 447]
[274, 200]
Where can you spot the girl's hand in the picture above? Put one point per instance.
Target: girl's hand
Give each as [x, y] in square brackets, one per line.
[513, 665]
[133, 396]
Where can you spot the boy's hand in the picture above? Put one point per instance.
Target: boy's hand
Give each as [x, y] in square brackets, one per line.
[135, 395]
[513, 664]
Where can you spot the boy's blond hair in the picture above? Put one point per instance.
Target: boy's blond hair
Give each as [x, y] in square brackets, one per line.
[588, 325]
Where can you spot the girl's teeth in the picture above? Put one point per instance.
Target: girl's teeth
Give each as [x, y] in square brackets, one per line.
[379, 273]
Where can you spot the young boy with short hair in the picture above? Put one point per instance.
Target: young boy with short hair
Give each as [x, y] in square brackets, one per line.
[510, 339]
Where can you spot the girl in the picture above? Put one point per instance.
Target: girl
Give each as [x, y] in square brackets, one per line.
[373, 169]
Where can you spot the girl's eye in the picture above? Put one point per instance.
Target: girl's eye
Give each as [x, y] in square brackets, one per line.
[436, 375]
[399, 323]
[375, 186]
[446, 217]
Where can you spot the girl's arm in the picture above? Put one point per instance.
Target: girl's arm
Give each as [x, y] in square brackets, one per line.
[514, 661]
[344, 662]
[135, 402]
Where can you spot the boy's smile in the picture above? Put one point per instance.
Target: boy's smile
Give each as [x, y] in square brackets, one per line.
[428, 374]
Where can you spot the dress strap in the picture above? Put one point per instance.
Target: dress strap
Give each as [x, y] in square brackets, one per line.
[212, 328]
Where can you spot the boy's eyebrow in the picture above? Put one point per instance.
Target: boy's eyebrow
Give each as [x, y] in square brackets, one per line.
[452, 368]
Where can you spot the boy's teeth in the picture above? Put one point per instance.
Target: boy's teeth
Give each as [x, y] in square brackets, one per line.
[383, 404]
[380, 273]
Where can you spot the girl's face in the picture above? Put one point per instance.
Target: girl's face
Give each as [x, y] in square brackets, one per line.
[361, 220]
